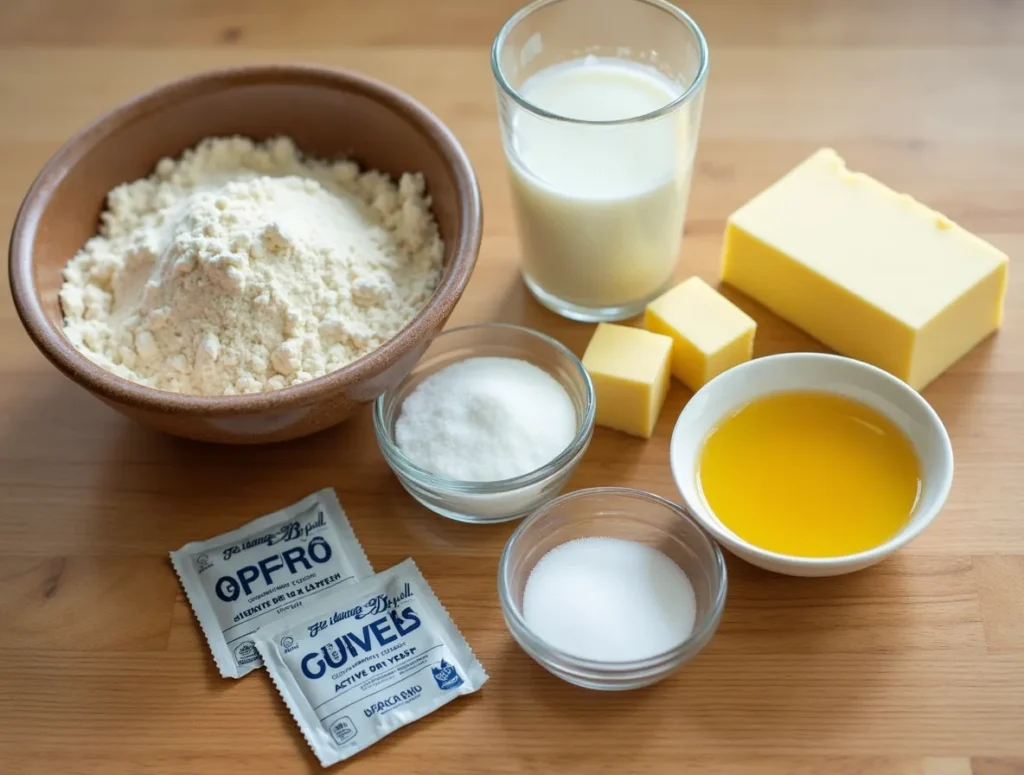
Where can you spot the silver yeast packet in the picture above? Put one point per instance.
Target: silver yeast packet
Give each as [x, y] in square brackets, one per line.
[243, 580]
[369, 660]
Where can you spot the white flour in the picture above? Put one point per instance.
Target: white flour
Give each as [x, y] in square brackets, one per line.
[245, 267]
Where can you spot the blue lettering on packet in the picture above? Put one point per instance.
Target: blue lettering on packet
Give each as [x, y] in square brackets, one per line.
[290, 531]
[403, 697]
[446, 675]
[317, 551]
[251, 576]
[375, 606]
[376, 634]
[245, 653]
[380, 656]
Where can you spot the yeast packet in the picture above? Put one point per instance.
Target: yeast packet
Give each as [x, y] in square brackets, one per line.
[380, 655]
[243, 580]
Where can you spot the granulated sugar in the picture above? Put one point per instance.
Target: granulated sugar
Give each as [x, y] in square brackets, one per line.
[609, 600]
[486, 419]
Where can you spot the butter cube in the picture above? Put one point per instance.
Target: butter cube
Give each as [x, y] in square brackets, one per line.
[873, 274]
[630, 371]
[709, 333]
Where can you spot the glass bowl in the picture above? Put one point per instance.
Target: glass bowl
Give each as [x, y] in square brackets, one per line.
[613, 512]
[505, 499]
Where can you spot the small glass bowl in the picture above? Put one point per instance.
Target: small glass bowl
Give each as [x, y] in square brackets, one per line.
[506, 499]
[613, 512]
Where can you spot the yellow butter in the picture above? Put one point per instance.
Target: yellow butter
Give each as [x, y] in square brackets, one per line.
[709, 333]
[871, 273]
[630, 371]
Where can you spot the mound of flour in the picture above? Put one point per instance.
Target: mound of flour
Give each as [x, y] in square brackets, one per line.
[244, 267]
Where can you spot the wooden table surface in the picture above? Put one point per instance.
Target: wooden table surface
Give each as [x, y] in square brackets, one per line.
[913, 667]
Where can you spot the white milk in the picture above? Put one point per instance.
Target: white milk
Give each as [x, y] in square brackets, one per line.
[600, 208]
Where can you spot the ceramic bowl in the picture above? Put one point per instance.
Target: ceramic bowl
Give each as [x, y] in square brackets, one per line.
[329, 114]
[818, 372]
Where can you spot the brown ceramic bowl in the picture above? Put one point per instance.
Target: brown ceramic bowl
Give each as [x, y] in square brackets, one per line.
[329, 113]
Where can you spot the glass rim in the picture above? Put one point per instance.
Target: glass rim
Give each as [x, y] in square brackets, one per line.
[703, 629]
[688, 93]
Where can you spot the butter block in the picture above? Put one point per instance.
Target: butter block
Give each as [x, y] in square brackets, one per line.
[630, 371]
[873, 274]
[709, 333]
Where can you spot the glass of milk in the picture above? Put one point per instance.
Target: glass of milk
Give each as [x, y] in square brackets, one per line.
[599, 103]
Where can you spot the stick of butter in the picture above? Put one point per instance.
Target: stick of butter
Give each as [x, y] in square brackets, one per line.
[630, 371]
[871, 273]
[709, 333]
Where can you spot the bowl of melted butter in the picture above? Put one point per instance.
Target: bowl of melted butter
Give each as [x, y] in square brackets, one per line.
[811, 464]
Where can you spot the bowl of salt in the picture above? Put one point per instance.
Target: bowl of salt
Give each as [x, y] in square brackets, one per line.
[611, 588]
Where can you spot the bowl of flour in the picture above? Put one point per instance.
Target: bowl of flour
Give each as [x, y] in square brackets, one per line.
[247, 255]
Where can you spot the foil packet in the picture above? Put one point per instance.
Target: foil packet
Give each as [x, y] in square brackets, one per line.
[380, 655]
[247, 578]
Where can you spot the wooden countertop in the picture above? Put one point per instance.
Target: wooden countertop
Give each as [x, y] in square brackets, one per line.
[915, 667]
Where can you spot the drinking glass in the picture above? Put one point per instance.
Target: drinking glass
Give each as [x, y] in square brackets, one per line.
[599, 105]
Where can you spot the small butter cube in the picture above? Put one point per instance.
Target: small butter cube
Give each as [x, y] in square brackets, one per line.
[873, 274]
[709, 333]
[630, 371]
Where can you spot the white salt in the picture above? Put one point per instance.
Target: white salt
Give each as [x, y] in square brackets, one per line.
[609, 600]
[486, 419]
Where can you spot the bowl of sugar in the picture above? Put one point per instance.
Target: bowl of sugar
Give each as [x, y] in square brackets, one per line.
[490, 423]
[611, 588]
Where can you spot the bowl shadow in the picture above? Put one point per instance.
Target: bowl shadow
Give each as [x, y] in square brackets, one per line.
[789, 661]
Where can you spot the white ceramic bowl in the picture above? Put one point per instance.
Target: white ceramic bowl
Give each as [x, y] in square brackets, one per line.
[812, 371]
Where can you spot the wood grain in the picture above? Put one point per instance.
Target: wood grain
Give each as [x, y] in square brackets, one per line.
[915, 667]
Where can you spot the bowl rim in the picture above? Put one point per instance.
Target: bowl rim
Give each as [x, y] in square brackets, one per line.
[693, 644]
[867, 557]
[443, 484]
[112, 387]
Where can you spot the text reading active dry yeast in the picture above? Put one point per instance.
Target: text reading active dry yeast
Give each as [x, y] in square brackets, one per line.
[243, 580]
[381, 655]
